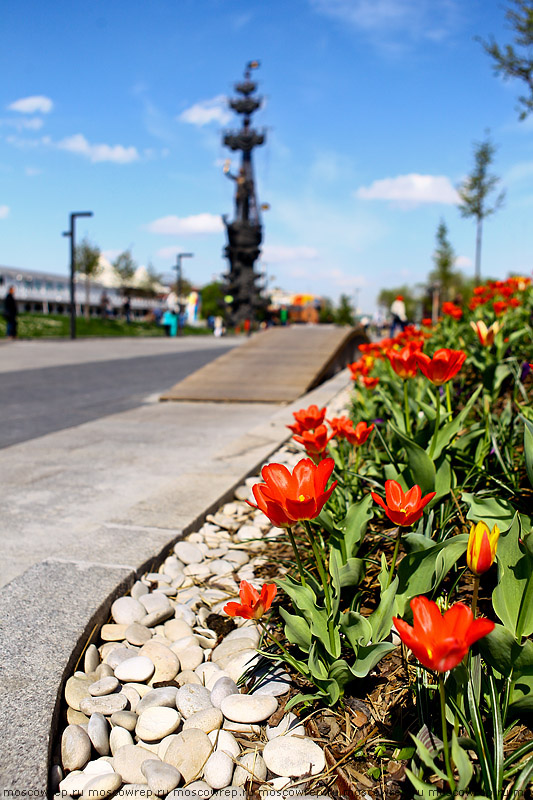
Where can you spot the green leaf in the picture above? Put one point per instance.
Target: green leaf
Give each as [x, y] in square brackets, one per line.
[426, 791]
[297, 630]
[416, 542]
[523, 664]
[381, 619]
[511, 597]
[368, 656]
[421, 466]
[463, 764]
[355, 523]
[356, 628]
[444, 479]
[522, 695]
[499, 649]
[449, 431]
[350, 574]
[491, 510]
[421, 572]
[528, 447]
[524, 779]
[426, 757]
[497, 725]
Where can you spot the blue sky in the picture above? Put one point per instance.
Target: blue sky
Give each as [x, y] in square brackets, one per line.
[371, 110]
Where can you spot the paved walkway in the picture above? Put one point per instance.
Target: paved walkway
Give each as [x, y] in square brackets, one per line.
[83, 510]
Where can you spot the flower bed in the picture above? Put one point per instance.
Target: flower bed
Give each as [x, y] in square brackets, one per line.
[395, 587]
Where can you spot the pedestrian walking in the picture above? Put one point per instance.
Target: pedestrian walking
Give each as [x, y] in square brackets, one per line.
[10, 314]
[126, 308]
[399, 317]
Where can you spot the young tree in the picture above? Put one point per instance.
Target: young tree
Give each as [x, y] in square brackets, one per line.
[212, 300]
[125, 267]
[344, 314]
[516, 61]
[326, 314]
[87, 261]
[444, 258]
[475, 192]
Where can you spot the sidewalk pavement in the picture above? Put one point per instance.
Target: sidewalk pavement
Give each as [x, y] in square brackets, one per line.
[84, 511]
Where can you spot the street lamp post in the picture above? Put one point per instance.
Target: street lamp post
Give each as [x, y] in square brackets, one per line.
[72, 234]
[179, 256]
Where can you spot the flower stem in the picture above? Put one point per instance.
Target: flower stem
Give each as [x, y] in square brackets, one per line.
[319, 563]
[437, 424]
[297, 556]
[406, 412]
[445, 745]
[394, 555]
[475, 595]
[323, 579]
[449, 400]
[268, 635]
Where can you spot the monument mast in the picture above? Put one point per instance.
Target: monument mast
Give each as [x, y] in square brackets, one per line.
[245, 232]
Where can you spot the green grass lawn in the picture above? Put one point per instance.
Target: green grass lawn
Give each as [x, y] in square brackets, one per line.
[36, 326]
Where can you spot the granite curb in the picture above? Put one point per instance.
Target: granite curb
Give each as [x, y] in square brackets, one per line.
[48, 612]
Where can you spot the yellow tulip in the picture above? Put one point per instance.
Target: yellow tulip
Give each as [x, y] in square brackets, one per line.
[481, 549]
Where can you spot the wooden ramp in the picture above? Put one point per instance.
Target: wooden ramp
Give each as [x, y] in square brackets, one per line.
[274, 366]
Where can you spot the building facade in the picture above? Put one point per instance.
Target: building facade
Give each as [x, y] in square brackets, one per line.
[49, 293]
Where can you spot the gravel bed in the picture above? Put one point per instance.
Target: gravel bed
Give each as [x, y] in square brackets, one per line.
[157, 710]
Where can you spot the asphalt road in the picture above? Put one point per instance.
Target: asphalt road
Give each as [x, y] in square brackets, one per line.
[37, 401]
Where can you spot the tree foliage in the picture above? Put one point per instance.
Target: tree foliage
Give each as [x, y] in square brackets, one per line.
[344, 314]
[87, 262]
[476, 190]
[212, 300]
[87, 258]
[449, 279]
[326, 314]
[516, 60]
[125, 266]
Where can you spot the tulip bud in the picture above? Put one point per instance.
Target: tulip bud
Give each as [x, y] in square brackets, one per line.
[481, 549]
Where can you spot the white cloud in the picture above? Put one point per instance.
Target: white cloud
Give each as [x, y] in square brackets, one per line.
[98, 152]
[31, 172]
[463, 261]
[4, 211]
[411, 190]
[206, 111]
[31, 105]
[196, 224]
[278, 254]
[32, 124]
[381, 19]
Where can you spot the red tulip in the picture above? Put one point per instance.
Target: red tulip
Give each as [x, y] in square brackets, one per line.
[440, 642]
[359, 368]
[403, 508]
[343, 429]
[286, 498]
[253, 605]
[308, 418]
[369, 383]
[404, 362]
[427, 322]
[315, 442]
[444, 365]
[451, 310]
[500, 307]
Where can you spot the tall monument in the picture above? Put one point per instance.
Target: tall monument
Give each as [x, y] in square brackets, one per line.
[244, 232]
